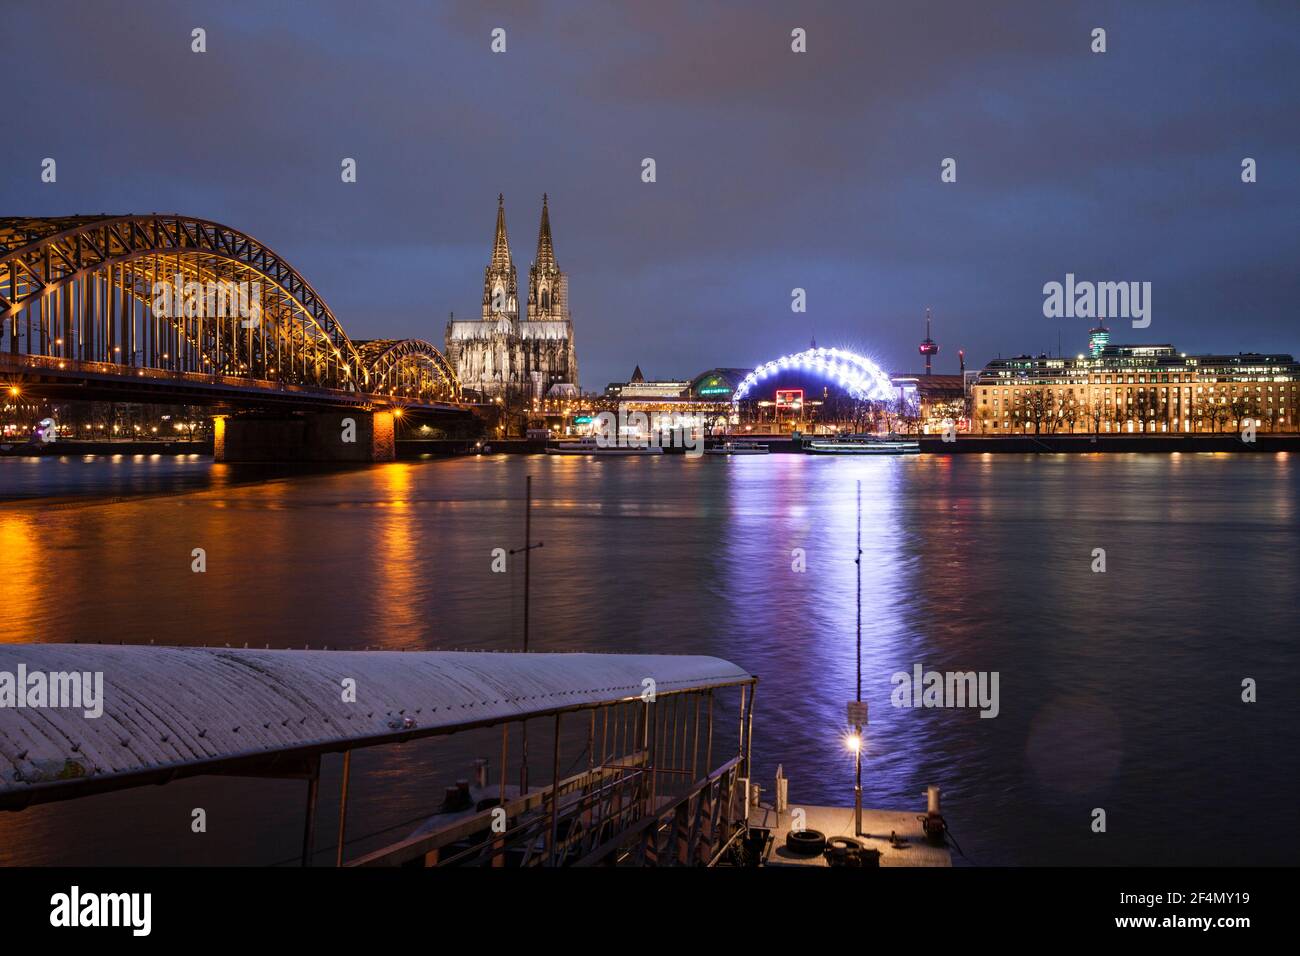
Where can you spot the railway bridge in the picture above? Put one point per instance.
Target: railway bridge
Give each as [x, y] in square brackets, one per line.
[165, 308]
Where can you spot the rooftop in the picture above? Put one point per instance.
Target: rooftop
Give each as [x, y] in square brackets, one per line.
[173, 711]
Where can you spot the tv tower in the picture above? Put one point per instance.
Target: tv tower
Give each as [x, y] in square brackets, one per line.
[929, 347]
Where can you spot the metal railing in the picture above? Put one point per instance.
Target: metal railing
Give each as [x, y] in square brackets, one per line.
[654, 805]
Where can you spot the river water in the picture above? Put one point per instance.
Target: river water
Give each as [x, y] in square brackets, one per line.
[1118, 690]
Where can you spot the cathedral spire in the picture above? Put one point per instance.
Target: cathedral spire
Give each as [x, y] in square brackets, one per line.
[501, 245]
[545, 250]
[500, 287]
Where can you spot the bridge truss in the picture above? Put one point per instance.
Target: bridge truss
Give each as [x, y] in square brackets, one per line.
[175, 296]
[407, 368]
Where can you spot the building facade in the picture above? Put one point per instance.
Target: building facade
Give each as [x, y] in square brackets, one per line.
[501, 356]
[1132, 389]
[930, 403]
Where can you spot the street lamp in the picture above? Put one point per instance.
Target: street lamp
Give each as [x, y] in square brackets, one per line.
[857, 709]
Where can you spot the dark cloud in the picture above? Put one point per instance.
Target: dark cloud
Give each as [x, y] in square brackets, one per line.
[776, 170]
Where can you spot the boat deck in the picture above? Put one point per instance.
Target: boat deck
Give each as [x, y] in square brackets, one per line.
[838, 821]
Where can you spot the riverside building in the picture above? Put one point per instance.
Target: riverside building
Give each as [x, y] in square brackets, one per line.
[1135, 389]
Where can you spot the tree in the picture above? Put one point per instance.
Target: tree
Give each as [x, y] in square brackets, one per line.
[906, 415]
[1037, 405]
[1220, 413]
[1115, 416]
[1071, 410]
[1094, 414]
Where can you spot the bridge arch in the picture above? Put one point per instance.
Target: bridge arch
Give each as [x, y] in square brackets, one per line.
[86, 289]
[858, 375]
[409, 368]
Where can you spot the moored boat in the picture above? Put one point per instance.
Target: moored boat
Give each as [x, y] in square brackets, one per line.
[738, 448]
[862, 445]
[593, 446]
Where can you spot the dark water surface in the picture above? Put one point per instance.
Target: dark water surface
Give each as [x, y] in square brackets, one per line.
[1118, 691]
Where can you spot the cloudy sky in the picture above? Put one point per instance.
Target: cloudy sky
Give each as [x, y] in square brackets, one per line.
[775, 170]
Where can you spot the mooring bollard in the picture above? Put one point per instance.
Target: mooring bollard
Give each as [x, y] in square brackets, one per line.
[782, 791]
[932, 797]
[933, 824]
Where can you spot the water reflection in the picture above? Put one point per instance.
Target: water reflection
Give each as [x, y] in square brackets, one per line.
[1119, 686]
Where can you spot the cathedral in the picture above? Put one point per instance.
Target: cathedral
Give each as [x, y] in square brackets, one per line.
[501, 356]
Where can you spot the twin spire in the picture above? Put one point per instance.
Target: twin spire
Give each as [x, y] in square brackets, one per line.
[545, 251]
[501, 244]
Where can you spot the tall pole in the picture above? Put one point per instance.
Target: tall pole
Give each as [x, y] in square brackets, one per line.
[527, 550]
[857, 755]
[528, 554]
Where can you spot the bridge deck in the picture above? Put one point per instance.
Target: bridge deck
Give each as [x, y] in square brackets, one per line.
[70, 379]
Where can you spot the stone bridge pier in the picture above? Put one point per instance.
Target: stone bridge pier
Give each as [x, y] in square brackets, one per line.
[344, 436]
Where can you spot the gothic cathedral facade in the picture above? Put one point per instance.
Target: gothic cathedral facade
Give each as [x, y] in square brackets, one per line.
[500, 356]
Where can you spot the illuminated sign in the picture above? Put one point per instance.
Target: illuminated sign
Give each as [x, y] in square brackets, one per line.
[789, 398]
[714, 385]
[582, 420]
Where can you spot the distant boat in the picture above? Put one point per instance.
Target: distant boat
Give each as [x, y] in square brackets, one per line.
[43, 436]
[862, 445]
[25, 450]
[738, 448]
[593, 446]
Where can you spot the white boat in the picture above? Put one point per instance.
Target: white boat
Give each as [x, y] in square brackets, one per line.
[593, 446]
[862, 445]
[738, 448]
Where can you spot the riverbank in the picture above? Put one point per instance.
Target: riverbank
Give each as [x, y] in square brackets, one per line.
[74, 447]
[1076, 444]
[409, 448]
[417, 448]
[1087, 444]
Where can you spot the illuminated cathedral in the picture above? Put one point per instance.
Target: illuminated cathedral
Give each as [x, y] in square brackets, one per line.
[501, 356]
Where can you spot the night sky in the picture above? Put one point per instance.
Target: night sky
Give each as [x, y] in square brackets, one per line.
[775, 170]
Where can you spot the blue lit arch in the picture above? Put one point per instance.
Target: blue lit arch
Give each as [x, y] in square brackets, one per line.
[860, 377]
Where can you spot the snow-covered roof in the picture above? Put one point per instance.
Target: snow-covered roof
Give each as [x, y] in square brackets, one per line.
[181, 710]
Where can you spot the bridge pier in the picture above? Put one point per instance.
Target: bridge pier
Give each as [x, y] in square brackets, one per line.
[358, 436]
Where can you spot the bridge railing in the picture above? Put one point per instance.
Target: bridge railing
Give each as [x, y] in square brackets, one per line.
[22, 362]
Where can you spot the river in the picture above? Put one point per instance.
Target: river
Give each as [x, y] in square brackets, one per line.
[1118, 690]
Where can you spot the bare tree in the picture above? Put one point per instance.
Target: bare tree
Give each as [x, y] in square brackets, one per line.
[1037, 402]
[1094, 413]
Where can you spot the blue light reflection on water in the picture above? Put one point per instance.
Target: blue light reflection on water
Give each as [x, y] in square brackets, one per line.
[1118, 690]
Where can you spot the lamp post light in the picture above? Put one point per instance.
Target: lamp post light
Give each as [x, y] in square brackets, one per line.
[857, 709]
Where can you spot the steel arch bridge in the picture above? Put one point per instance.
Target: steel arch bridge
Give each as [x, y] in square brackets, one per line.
[407, 368]
[160, 299]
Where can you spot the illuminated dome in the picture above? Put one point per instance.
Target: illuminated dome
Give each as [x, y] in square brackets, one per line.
[857, 375]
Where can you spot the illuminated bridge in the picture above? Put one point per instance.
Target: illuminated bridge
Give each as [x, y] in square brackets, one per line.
[173, 309]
